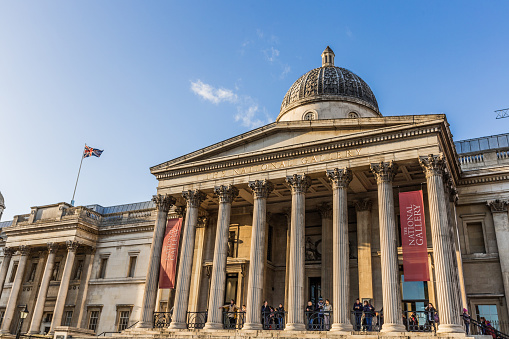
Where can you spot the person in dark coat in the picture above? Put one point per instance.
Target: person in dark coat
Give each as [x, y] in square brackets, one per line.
[265, 313]
[369, 311]
[466, 320]
[280, 316]
[357, 311]
[431, 316]
[309, 314]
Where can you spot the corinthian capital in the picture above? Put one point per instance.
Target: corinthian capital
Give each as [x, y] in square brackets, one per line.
[299, 183]
[226, 193]
[72, 246]
[340, 177]
[384, 171]
[8, 251]
[24, 250]
[363, 205]
[498, 206]
[261, 188]
[193, 197]
[52, 247]
[432, 165]
[163, 202]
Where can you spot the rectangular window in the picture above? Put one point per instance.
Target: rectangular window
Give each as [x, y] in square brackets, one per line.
[2, 312]
[78, 270]
[54, 273]
[123, 320]
[102, 268]
[488, 312]
[13, 272]
[48, 318]
[31, 276]
[67, 318]
[132, 266]
[93, 320]
[476, 237]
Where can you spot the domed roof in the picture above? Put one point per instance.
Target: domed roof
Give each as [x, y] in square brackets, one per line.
[329, 83]
[2, 203]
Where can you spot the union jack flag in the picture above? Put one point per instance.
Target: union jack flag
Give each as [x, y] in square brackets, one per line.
[89, 151]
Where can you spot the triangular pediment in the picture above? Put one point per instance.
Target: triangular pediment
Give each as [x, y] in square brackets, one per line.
[281, 136]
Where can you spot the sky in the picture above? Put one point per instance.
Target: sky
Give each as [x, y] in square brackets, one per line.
[148, 81]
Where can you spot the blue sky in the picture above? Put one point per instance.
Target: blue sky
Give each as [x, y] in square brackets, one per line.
[149, 81]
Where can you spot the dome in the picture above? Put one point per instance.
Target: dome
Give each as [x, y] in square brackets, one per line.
[329, 83]
[2, 203]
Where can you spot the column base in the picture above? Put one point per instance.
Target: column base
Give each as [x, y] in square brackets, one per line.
[5, 332]
[295, 327]
[346, 328]
[387, 327]
[450, 328]
[33, 332]
[252, 327]
[177, 326]
[144, 324]
[212, 326]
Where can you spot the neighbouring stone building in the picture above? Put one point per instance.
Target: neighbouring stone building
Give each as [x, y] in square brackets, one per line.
[302, 208]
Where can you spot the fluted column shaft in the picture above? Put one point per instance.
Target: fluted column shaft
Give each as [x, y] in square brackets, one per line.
[80, 310]
[226, 196]
[327, 251]
[72, 246]
[384, 173]
[261, 190]
[193, 198]
[501, 223]
[434, 166]
[5, 267]
[298, 184]
[364, 266]
[163, 204]
[340, 179]
[35, 325]
[12, 303]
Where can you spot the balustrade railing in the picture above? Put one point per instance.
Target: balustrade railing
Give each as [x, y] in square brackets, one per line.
[233, 320]
[196, 320]
[367, 321]
[318, 320]
[420, 321]
[274, 320]
[162, 319]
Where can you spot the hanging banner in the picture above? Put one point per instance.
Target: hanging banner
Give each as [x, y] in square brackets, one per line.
[413, 236]
[169, 254]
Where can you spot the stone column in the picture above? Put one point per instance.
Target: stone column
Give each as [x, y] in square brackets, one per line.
[288, 216]
[35, 325]
[8, 251]
[163, 204]
[12, 303]
[299, 183]
[72, 246]
[193, 198]
[80, 310]
[363, 210]
[340, 179]
[393, 320]
[433, 167]
[261, 190]
[325, 210]
[226, 196]
[501, 223]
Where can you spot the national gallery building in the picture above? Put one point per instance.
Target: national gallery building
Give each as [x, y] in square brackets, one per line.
[311, 207]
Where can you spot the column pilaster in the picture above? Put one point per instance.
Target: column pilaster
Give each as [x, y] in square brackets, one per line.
[501, 223]
[163, 204]
[12, 303]
[35, 325]
[384, 173]
[80, 309]
[8, 252]
[433, 166]
[340, 179]
[261, 190]
[72, 247]
[364, 266]
[226, 195]
[325, 210]
[193, 199]
[299, 183]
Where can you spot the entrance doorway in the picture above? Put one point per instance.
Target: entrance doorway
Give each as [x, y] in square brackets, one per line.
[415, 298]
[230, 290]
[315, 289]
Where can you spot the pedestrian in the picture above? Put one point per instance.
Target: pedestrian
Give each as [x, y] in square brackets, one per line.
[231, 312]
[466, 320]
[357, 311]
[243, 315]
[431, 316]
[265, 314]
[327, 311]
[319, 312]
[413, 322]
[280, 316]
[309, 314]
[369, 311]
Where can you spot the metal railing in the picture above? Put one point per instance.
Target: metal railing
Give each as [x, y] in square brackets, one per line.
[103, 334]
[274, 320]
[162, 319]
[233, 320]
[196, 320]
[367, 321]
[318, 320]
[480, 328]
[420, 321]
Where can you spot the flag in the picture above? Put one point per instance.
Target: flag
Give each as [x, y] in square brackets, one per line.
[89, 151]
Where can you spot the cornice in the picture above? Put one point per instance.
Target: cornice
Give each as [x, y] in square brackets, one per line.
[340, 143]
[484, 180]
[123, 230]
[16, 230]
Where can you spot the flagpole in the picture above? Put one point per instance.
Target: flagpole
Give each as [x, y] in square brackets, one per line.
[76, 185]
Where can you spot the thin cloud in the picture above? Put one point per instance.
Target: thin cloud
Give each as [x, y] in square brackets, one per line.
[271, 54]
[214, 95]
[349, 33]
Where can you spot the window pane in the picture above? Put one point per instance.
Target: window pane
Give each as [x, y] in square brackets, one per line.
[476, 237]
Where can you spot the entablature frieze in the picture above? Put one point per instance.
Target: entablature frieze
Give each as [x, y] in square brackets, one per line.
[343, 147]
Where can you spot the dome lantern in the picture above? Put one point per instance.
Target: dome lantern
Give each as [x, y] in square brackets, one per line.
[328, 57]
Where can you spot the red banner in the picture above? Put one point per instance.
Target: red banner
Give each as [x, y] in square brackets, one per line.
[169, 254]
[413, 236]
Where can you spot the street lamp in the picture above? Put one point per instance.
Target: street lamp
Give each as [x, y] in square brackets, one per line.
[22, 315]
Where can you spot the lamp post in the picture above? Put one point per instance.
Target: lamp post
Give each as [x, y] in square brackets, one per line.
[22, 315]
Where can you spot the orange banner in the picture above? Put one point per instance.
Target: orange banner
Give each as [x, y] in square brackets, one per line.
[169, 254]
[413, 236]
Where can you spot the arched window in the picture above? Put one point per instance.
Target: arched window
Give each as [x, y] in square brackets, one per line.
[353, 115]
[309, 116]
